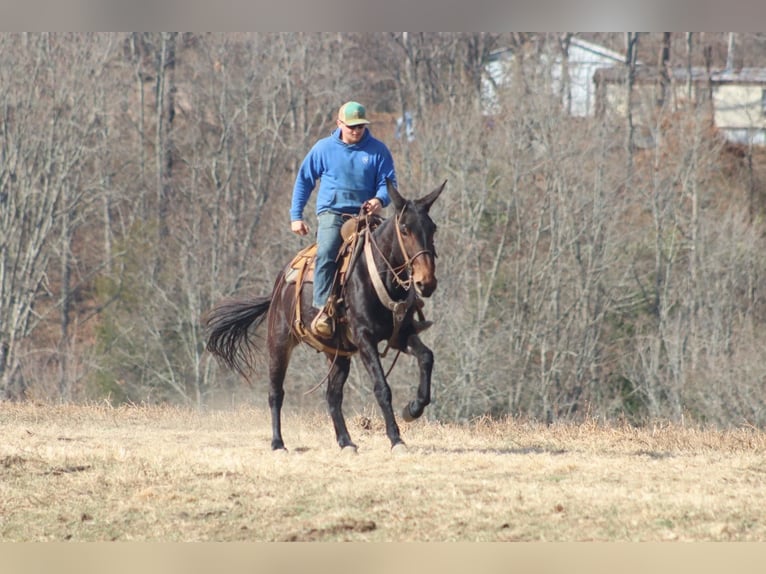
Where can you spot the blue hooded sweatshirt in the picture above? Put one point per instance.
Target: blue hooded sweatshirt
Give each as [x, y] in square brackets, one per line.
[349, 175]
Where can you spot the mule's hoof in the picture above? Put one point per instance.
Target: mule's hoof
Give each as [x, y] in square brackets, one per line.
[407, 415]
[399, 448]
[280, 451]
[349, 450]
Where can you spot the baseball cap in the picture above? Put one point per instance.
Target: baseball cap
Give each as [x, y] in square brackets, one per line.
[353, 114]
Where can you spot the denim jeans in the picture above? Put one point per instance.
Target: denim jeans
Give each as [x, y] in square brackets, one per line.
[328, 244]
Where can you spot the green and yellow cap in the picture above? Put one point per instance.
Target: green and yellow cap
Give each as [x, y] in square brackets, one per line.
[353, 114]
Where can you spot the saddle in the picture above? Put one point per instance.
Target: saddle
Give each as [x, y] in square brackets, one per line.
[301, 268]
[301, 271]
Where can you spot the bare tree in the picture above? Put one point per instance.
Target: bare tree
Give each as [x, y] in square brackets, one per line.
[48, 123]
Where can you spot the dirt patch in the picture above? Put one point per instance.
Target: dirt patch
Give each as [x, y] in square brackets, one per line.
[12, 460]
[344, 526]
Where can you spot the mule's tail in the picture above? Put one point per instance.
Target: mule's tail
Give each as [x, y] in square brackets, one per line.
[228, 330]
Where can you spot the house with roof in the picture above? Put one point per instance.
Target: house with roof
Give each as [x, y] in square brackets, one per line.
[735, 98]
[583, 58]
[739, 104]
[597, 85]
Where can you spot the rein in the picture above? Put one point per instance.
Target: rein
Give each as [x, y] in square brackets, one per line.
[398, 308]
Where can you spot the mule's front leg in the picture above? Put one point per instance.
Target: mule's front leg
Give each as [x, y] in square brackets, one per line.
[371, 360]
[425, 358]
[336, 380]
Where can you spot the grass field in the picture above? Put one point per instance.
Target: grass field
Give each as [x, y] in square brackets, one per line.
[96, 473]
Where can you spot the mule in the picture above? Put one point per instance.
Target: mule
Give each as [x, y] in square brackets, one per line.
[392, 268]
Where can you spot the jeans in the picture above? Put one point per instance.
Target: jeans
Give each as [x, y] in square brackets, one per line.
[328, 244]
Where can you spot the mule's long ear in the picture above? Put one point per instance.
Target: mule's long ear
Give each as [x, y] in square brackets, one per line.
[428, 200]
[393, 194]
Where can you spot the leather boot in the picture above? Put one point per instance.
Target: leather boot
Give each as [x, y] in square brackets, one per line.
[322, 325]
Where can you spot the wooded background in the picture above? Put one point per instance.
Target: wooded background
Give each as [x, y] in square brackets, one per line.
[144, 176]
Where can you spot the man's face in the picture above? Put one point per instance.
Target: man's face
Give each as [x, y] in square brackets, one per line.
[351, 134]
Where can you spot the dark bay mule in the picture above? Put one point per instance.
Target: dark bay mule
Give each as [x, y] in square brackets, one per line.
[400, 251]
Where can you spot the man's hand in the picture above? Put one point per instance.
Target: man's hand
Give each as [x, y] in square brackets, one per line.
[372, 206]
[299, 227]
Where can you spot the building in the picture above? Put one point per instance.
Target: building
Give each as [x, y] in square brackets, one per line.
[739, 104]
[737, 98]
[597, 86]
[583, 59]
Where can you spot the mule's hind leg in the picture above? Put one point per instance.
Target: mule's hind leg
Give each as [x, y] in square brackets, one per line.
[335, 381]
[280, 346]
[425, 358]
[276, 398]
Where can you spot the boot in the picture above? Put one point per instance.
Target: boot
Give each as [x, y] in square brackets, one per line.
[322, 324]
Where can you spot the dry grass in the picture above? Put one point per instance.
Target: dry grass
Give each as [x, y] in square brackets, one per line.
[159, 474]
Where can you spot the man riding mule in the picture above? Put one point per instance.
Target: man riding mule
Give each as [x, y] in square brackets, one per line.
[393, 265]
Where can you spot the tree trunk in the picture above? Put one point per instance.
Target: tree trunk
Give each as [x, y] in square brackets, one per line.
[165, 115]
[631, 47]
[662, 70]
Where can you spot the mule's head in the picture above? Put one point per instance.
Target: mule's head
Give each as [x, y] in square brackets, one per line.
[416, 230]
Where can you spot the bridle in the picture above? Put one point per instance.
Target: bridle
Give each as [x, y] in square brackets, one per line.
[398, 308]
[405, 284]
